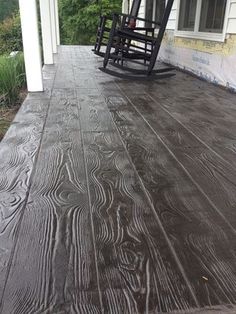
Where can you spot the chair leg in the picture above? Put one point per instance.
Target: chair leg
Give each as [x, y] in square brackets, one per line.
[100, 35]
[146, 46]
[110, 40]
[160, 35]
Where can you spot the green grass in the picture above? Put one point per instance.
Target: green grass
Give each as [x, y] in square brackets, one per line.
[12, 78]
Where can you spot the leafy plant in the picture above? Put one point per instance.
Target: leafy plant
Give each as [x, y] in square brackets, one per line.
[12, 78]
[7, 7]
[79, 19]
[10, 34]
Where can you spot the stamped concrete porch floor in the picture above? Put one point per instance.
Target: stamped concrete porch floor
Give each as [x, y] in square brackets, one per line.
[118, 196]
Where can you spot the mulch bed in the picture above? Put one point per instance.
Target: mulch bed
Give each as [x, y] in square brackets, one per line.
[7, 114]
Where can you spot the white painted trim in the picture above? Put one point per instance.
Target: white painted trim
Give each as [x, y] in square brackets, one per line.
[53, 26]
[31, 44]
[198, 16]
[57, 22]
[202, 35]
[46, 31]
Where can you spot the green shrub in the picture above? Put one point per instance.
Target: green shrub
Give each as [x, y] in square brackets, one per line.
[12, 78]
[10, 34]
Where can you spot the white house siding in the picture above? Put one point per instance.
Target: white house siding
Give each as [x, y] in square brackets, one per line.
[231, 24]
[142, 9]
[231, 27]
[126, 8]
[211, 60]
[173, 16]
[142, 13]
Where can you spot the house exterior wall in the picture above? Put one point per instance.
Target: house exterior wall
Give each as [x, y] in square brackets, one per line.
[209, 59]
[215, 62]
[126, 7]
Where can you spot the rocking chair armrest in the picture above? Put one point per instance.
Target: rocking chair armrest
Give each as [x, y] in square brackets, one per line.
[137, 18]
[148, 29]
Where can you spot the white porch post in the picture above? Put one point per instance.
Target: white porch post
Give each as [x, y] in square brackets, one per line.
[53, 25]
[30, 35]
[57, 22]
[46, 31]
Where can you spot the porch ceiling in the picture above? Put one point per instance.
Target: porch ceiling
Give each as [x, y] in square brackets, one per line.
[118, 196]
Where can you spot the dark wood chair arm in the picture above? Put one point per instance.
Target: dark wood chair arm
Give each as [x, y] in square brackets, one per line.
[148, 29]
[137, 18]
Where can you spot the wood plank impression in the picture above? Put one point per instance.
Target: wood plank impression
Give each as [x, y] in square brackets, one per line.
[53, 268]
[18, 151]
[200, 236]
[211, 119]
[213, 175]
[94, 115]
[137, 271]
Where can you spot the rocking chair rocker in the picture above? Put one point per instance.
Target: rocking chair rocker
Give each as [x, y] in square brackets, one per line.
[130, 46]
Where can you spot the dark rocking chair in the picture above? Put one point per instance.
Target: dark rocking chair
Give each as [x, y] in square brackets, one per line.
[130, 46]
[104, 29]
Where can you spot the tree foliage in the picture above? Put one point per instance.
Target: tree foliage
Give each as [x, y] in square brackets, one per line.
[10, 34]
[79, 19]
[7, 7]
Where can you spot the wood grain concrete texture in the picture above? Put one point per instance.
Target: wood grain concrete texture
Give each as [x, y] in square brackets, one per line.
[118, 196]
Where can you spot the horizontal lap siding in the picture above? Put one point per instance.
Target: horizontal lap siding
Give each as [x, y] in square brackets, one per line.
[213, 61]
[142, 9]
[142, 12]
[231, 28]
[231, 23]
[173, 17]
[126, 8]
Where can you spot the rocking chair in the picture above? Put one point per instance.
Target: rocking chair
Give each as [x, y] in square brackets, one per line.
[104, 29]
[133, 47]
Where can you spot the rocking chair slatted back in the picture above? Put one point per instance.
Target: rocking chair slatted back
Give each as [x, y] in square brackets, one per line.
[135, 47]
[103, 30]
[135, 8]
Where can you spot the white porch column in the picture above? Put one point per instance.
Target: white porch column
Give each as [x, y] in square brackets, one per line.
[57, 22]
[30, 35]
[53, 24]
[46, 31]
